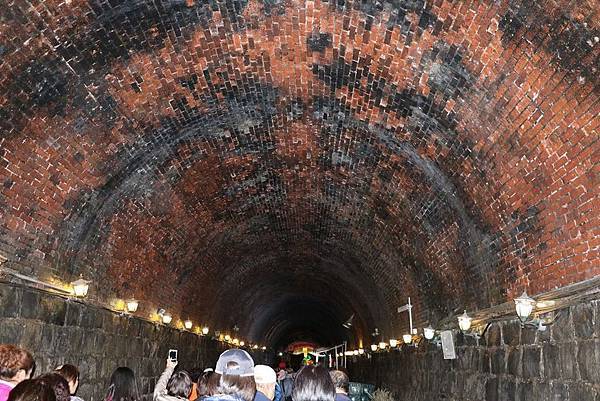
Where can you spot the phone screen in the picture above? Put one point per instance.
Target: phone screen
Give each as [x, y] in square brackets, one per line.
[173, 354]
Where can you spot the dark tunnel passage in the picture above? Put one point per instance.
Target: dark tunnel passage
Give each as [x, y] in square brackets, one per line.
[279, 166]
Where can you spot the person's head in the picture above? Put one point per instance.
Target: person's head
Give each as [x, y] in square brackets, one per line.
[313, 383]
[71, 375]
[340, 381]
[206, 384]
[58, 384]
[265, 379]
[236, 370]
[32, 390]
[123, 386]
[16, 364]
[180, 384]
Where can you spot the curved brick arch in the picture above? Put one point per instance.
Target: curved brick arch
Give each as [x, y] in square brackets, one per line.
[178, 150]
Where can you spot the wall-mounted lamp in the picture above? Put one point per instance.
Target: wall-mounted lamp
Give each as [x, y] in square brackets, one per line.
[188, 324]
[382, 345]
[464, 321]
[524, 305]
[80, 287]
[165, 317]
[132, 305]
[429, 332]
[205, 330]
[348, 323]
[407, 338]
[393, 343]
[361, 351]
[373, 347]
[242, 343]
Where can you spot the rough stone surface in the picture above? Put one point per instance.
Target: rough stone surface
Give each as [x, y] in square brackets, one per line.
[311, 159]
[545, 371]
[106, 342]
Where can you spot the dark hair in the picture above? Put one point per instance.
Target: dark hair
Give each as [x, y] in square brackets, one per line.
[195, 374]
[180, 384]
[58, 384]
[340, 379]
[13, 359]
[206, 386]
[69, 372]
[243, 387]
[313, 383]
[32, 390]
[123, 386]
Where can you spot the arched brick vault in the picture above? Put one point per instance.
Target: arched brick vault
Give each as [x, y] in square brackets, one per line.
[281, 165]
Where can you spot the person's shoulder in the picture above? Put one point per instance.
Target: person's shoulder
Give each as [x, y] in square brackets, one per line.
[342, 397]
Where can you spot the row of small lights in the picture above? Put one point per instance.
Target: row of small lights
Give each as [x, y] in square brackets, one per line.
[81, 288]
[524, 306]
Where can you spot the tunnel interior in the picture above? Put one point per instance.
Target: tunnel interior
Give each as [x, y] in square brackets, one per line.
[281, 165]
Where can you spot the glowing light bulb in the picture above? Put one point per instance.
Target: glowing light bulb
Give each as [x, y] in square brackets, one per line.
[393, 343]
[166, 318]
[361, 351]
[373, 347]
[188, 324]
[382, 345]
[407, 338]
[205, 330]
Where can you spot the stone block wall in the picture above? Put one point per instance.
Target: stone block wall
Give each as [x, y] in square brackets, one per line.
[59, 331]
[508, 364]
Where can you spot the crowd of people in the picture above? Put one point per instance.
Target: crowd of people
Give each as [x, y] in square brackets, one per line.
[234, 378]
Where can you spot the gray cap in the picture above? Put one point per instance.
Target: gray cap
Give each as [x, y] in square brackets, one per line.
[235, 362]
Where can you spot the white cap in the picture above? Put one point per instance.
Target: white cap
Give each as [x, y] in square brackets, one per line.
[264, 374]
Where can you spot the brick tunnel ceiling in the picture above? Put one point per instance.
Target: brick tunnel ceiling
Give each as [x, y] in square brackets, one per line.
[281, 165]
